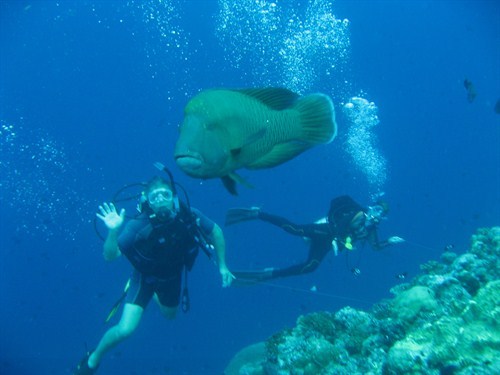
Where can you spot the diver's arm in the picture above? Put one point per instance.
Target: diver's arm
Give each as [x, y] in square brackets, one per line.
[377, 244]
[113, 222]
[217, 240]
[111, 251]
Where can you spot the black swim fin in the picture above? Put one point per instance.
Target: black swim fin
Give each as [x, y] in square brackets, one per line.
[237, 215]
[246, 278]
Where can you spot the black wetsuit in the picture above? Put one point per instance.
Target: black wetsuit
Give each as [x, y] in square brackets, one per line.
[321, 243]
[322, 240]
[159, 251]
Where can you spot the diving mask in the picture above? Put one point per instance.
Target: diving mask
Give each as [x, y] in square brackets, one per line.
[160, 197]
[375, 214]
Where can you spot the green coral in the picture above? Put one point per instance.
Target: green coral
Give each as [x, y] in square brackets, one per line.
[471, 339]
[410, 303]
[485, 306]
[248, 361]
[360, 326]
[320, 323]
[305, 356]
[444, 321]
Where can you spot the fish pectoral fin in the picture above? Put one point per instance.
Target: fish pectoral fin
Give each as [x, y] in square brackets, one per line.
[276, 98]
[279, 154]
[229, 181]
[245, 141]
[236, 177]
[229, 184]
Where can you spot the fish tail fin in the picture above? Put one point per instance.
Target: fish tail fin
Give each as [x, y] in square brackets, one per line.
[317, 118]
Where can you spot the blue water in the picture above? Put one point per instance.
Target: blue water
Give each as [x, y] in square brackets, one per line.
[91, 94]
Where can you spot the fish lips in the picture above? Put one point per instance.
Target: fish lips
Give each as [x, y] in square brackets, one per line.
[189, 163]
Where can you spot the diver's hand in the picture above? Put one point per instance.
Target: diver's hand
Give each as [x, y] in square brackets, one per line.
[227, 276]
[395, 239]
[110, 217]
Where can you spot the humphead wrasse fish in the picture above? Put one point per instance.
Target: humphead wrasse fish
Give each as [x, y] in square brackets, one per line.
[224, 130]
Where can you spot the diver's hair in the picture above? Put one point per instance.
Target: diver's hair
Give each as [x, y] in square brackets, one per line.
[155, 183]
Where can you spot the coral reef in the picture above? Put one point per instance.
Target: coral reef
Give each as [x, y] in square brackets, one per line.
[445, 321]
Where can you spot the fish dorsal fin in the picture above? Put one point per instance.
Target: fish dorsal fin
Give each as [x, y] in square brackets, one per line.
[279, 154]
[276, 98]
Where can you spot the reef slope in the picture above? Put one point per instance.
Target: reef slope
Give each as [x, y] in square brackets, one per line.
[444, 321]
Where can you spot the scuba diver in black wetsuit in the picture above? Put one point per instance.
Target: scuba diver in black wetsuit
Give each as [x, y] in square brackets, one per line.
[347, 222]
[161, 243]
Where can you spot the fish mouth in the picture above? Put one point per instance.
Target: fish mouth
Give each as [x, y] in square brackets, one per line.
[188, 162]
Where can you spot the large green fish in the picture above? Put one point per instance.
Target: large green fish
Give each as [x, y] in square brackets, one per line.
[224, 130]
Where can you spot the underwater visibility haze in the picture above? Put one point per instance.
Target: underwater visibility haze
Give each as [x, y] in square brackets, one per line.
[92, 94]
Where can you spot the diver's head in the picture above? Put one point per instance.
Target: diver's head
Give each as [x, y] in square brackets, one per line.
[377, 212]
[160, 198]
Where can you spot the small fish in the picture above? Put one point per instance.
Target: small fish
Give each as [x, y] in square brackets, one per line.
[224, 130]
[449, 247]
[402, 276]
[471, 90]
[356, 271]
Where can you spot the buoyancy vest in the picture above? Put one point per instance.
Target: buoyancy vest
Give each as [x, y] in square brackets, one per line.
[342, 210]
[163, 248]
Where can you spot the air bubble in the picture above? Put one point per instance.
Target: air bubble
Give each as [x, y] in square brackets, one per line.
[41, 183]
[361, 142]
[283, 48]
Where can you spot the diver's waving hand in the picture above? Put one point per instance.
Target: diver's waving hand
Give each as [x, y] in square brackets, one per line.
[110, 216]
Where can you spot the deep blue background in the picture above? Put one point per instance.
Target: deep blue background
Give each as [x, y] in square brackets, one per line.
[96, 97]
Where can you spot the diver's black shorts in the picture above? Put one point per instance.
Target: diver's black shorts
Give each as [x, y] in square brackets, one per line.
[142, 288]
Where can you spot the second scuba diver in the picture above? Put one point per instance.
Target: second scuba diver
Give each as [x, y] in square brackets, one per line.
[347, 222]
